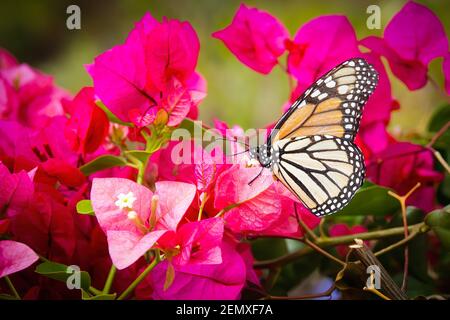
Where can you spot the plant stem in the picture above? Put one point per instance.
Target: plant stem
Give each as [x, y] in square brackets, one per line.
[308, 296]
[304, 226]
[441, 161]
[398, 244]
[141, 173]
[110, 279]
[12, 288]
[202, 206]
[402, 200]
[138, 280]
[323, 252]
[328, 242]
[438, 134]
[95, 291]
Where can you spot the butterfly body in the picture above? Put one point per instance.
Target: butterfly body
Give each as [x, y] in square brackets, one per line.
[311, 149]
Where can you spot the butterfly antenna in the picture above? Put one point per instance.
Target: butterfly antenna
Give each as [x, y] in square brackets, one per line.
[237, 153]
[257, 176]
[225, 139]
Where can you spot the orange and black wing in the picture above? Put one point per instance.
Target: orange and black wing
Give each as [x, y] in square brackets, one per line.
[332, 105]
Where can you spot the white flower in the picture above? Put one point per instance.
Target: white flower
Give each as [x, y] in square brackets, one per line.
[125, 200]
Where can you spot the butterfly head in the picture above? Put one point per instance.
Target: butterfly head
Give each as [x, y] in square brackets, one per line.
[263, 154]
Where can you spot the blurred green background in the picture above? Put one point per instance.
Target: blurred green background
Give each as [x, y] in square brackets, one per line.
[35, 31]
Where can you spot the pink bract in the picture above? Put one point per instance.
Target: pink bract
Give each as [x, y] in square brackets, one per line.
[14, 257]
[318, 46]
[157, 61]
[215, 282]
[127, 242]
[255, 37]
[413, 38]
[88, 125]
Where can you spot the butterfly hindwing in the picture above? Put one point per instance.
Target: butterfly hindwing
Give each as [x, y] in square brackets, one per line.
[323, 171]
[332, 105]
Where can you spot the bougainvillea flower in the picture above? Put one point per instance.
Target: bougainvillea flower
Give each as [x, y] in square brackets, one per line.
[133, 231]
[248, 207]
[413, 38]
[178, 100]
[400, 166]
[15, 191]
[188, 162]
[132, 78]
[255, 37]
[88, 125]
[381, 103]
[341, 229]
[36, 97]
[14, 257]
[287, 223]
[7, 60]
[205, 281]
[318, 46]
[172, 49]
[195, 242]
[373, 136]
[37, 214]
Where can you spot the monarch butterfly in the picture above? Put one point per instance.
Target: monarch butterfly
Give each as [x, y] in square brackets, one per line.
[311, 149]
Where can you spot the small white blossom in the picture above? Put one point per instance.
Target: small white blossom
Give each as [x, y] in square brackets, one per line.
[125, 200]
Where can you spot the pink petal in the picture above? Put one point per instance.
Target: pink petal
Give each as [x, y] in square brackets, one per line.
[174, 199]
[413, 38]
[256, 214]
[120, 79]
[126, 247]
[255, 37]
[233, 187]
[172, 49]
[14, 257]
[401, 165]
[319, 45]
[201, 242]
[412, 72]
[205, 282]
[105, 192]
[177, 102]
[381, 103]
[7, 60]
[416, 33]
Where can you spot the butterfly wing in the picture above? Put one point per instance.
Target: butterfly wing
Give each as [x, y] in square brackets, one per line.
[332, 105]
[323, 171]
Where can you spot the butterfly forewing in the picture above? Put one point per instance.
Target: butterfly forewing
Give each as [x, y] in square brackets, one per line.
[332, 105]
[323, 171]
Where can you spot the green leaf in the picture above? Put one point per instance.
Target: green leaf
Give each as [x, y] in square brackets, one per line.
[101, 163]
[111, 116]
[439, 118]
[373, 200]
[439, 222]
[140, 155]
[104, 296]
[61, 272]
[192, 126]
[85, 207]
[269, 248]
